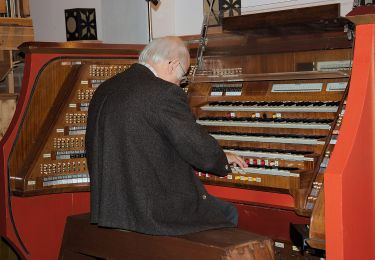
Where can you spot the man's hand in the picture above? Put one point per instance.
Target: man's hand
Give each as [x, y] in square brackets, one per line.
[235, 159]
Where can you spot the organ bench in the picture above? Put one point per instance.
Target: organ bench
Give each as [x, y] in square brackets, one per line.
[83, 240]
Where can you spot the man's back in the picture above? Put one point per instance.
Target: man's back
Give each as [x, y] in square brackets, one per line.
[141, 144]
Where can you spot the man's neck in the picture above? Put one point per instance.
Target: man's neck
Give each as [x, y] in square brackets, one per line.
[150, 68]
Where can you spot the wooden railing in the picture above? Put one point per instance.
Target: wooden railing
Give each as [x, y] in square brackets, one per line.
[15, 28]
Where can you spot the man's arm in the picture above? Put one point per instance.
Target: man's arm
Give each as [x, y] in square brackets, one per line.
[190, 140]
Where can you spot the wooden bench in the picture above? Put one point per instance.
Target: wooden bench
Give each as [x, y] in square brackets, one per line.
[84, 241]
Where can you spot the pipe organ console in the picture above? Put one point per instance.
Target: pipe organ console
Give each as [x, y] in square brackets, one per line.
[280, 102]
[49, 151]
[283, 122]
[279, 96]
[281, 128]
[43, 153]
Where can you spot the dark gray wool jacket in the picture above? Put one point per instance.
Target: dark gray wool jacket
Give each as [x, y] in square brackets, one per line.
[142, 145]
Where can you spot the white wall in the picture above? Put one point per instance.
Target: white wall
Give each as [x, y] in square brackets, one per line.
[124, 21]
[184, 17]
[118, 21]
[188, 17]
[49, 18]
[256, 6]
[177, 17]
[163, 18]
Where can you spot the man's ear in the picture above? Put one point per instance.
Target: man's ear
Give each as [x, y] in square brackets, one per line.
[172, 65]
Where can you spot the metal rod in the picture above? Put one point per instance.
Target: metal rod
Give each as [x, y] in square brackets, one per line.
[7, 3]
[17, 3]
[11, 74]
[203, 38]
[13, 8]
[149, 22]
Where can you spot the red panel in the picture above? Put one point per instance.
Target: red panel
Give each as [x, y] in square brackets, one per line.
[272, 222]
[32, 66]
[41, 220]
[349, 181]
[265, 213]
[251, 196]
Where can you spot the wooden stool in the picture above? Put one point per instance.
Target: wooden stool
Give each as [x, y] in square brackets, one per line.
[83, 240]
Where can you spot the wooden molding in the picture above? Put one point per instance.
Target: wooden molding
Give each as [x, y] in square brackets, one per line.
[7, 21]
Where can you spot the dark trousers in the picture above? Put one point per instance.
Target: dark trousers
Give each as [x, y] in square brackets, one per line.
[228, 209]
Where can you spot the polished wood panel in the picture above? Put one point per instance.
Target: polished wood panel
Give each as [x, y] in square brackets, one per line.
[14, 31]
[275, 66]
[10, 21]
[317, 225]
[81, 48]
[61, 88]
[252, 44]
[28, 141]
[362, 15]
[25, 8]
[301, 16]
[3, 6]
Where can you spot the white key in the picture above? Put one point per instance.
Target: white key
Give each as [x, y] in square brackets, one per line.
[290, 157]
[265, 124]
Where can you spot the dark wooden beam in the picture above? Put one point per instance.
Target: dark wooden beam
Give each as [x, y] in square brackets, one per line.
[232, 45]
[282, 18]
[80, 48]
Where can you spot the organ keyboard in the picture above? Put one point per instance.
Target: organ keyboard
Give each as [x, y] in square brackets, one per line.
[268, 138]
[282, 136]
[266, 122]
[278, 110]
[288, 106]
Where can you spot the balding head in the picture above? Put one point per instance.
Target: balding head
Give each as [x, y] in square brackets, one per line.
[169, 56]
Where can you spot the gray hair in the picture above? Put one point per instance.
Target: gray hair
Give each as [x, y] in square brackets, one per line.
[164, 49]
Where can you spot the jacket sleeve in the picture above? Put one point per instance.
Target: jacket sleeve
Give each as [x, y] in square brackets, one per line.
[191, 141]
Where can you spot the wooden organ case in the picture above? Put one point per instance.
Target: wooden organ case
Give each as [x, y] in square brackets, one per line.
[275, 95]
[273, 89]
[43, 153]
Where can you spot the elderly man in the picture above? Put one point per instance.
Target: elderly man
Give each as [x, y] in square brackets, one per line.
[142, 148]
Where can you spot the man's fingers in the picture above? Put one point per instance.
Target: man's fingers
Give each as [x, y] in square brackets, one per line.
[240, 162]
[233, 158]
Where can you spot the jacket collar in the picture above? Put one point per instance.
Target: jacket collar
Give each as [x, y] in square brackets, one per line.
[150, 68]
